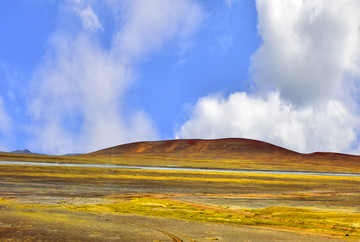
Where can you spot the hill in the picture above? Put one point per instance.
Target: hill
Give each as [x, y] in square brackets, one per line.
[228, 153]
[219, 147]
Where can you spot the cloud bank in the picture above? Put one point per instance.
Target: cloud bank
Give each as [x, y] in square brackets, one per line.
[329, 127]
[304, 71]
[79, 89]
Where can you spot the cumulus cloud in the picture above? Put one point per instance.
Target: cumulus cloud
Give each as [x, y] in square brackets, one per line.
[309, 48]
[271, 119]
[304, 71]
[80, 87]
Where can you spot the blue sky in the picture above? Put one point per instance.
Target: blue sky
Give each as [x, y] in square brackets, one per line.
[81, 75]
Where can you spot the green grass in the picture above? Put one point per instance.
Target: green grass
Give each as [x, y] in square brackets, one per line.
[331, 223]
[339, 223]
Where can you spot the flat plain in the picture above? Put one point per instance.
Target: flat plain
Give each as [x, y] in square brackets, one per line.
[112, 204]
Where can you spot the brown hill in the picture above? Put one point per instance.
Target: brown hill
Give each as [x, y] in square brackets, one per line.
[230, 146]
[225, 153]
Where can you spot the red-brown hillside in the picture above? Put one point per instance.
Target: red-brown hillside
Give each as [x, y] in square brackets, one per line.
[231, 146]
[225, 153]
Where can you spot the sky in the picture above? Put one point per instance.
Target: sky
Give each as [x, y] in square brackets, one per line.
[81, 75]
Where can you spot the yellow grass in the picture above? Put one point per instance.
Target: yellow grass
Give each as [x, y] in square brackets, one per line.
[346, 225]
[277, 186]
[332, 223]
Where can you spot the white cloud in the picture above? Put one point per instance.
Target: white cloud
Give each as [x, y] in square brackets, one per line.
[326, 128]
[79, 88]
[150, 24]
[5, 121]
[308, 49]
[5, 127]
[78, 101]
[87, 15]
[305, 71]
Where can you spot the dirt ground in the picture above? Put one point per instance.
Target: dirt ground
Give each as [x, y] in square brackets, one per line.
[35, 202]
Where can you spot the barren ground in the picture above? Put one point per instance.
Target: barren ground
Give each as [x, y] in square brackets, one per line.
[86, 204]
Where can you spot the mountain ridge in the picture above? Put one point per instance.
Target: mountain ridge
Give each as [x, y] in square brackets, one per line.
[24, 151]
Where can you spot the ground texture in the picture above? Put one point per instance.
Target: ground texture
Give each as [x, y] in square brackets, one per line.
[43, 203]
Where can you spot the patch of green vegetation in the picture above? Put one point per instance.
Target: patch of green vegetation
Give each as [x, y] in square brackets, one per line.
[347, 224]
[165, 208]
[337, 224]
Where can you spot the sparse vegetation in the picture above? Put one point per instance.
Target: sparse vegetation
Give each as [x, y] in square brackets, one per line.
[326, 222]
[99, 199]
